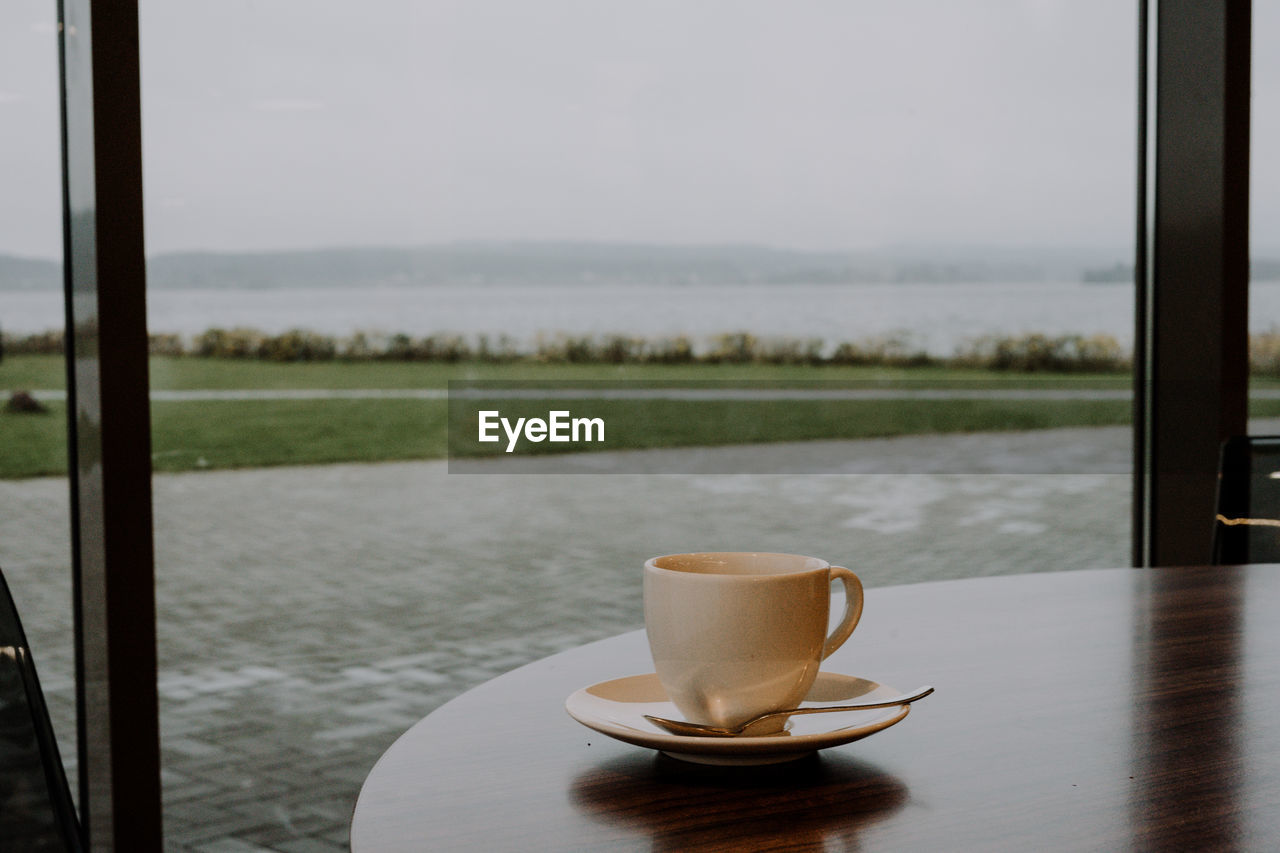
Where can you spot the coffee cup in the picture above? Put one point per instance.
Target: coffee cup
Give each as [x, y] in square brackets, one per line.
[736, 634]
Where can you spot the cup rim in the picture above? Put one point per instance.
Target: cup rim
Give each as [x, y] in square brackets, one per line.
[708, 559]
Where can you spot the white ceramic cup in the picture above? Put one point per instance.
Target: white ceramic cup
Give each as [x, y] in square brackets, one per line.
[735, 634]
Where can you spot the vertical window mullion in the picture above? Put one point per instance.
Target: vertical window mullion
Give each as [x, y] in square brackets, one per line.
[1192, 349]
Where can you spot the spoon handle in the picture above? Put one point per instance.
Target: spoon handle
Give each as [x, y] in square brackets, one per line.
[904, 699]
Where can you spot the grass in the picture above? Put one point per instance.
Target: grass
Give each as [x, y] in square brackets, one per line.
[238, 434]
[33, 445]
[192, 435]
[242, 433]
[258, 433]
[183, 373]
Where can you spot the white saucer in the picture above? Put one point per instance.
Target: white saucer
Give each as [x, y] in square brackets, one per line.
[617, 708]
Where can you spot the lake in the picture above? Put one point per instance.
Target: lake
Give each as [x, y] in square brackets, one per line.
[937, 317]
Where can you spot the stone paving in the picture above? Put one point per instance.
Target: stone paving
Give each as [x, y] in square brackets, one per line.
[307, 616]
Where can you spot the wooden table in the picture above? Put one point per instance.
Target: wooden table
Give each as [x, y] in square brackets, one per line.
[1091, 710]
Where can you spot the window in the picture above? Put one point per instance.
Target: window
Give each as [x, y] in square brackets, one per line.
[858, 176]
[35, 553]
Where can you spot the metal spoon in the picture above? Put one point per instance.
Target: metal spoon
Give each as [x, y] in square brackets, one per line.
[679, 727]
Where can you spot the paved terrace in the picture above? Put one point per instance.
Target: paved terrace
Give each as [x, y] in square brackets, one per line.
[310, 615]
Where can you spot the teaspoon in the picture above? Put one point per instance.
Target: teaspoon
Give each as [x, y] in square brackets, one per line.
[679, 727]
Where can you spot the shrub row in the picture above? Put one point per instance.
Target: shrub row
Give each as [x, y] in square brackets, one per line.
[1040, 353]
[1264, 353]
[41, 343]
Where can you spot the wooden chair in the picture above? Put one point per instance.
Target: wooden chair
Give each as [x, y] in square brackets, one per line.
[1247, 524]
[36, 810]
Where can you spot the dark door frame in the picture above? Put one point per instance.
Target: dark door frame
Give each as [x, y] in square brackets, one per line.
[108, 421]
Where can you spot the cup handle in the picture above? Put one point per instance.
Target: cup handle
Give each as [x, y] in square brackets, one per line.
[852, 609]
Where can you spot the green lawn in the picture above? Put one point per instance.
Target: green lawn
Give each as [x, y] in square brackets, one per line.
[256, 433]
[231, 434]
[46, 371]
[33, 445]
[188, 435]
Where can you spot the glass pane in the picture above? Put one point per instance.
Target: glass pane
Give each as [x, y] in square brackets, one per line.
[35, 528]
[905, 254]
[1264, 234]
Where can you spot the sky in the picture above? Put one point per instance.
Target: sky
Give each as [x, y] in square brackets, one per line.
[822, 124]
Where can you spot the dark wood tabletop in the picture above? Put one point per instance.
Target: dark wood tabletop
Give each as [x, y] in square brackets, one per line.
[1125, 709]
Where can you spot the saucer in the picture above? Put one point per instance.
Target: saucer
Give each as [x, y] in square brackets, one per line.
[617, 708]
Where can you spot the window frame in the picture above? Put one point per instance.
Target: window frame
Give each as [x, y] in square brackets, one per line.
[1192, 282]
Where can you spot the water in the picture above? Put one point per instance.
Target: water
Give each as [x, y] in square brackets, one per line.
[938, 317]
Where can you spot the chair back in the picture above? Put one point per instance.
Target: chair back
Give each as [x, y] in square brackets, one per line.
[36, 810]
[1247, 525]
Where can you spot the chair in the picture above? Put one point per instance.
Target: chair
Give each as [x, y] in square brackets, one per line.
[1247, 525]
[36, 810]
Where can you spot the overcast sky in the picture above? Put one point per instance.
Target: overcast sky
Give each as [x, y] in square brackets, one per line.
[806, 123]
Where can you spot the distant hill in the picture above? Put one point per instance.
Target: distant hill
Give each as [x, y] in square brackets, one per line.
[584, 263]
[29, 273]
[506, 263]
